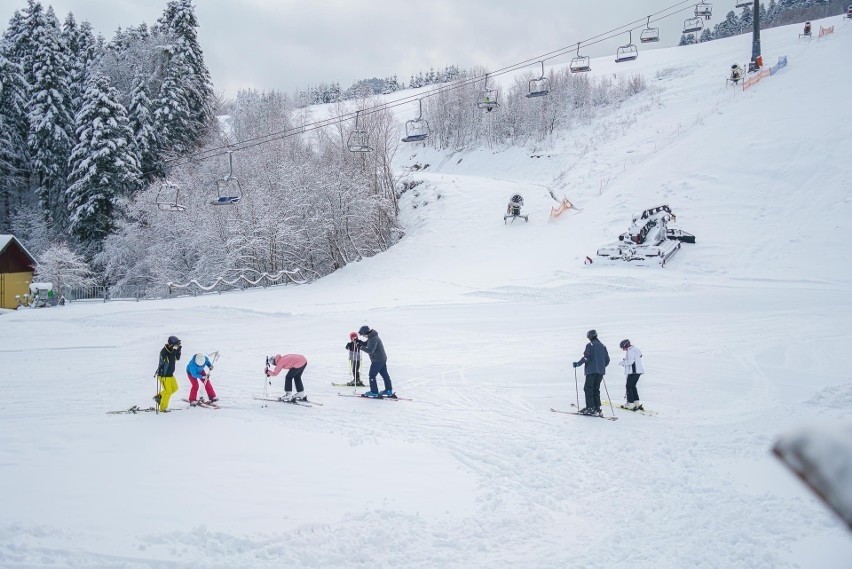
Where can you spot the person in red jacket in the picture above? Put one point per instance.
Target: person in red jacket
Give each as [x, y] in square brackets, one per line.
[295, 364]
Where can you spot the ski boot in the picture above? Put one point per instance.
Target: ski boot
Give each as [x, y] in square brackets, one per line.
[388, 393]
[371, 395]
[287, 397]
[300, 396]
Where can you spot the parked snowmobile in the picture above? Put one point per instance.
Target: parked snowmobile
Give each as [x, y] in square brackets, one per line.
[513, 210]
[649, 240]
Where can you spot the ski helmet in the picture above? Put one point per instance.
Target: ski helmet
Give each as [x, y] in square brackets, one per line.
[591, 334]
[734, 66]
[174, 340]
[353, 335]
[364, 330]
[624, 344]
[200, 359]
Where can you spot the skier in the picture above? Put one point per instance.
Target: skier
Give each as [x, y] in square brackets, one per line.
[736, 73]
[632, 363]
[514, 206]
[378, 362]
[354, 347]
[295, 364]
[807, 29]
[196, 370]
[596, 358]
[165, 373]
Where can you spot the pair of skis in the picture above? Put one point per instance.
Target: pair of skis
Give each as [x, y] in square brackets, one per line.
[300, 403]
[136, 409]
[203, 403]
[583, 414]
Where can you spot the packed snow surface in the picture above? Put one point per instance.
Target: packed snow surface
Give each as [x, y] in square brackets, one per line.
[745, 335]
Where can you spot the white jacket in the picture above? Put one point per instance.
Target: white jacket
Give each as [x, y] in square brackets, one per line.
[632, 361]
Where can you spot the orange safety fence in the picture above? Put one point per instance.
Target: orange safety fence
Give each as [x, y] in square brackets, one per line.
[563, 206]
[826, 31]
[755, 79]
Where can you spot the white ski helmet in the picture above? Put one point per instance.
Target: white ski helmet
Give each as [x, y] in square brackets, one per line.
[200, 359]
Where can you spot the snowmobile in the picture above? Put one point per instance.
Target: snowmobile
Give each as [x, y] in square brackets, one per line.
[649, 241]
[513, 210]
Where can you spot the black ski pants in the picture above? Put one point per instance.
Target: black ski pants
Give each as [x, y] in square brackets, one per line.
[632, 392]
[592, 389]
[294, 374]
[355, 368]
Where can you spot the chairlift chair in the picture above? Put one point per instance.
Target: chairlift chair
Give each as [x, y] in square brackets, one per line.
[744, 4]
[649, 34]
[703, 10]
[168, 197]
[359, 140]
[627, 52]
[228, 189]
[581, 63]
[417, 130]
[693, 25]
[539, 87]
[488, 100]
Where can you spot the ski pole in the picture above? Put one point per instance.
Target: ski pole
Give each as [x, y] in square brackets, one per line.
[607, 396]
[576, 389]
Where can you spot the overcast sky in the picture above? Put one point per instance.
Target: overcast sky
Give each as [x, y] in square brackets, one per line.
[289, 44]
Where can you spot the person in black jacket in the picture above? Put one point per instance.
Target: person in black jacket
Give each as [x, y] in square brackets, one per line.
[596, 358]
[166, 372]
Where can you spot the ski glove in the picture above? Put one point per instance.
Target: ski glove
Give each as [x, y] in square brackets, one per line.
[576, 364]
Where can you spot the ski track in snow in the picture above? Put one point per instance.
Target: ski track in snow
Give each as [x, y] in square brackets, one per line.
[744, 334]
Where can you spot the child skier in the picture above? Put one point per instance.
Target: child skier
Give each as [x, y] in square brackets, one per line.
[196, 370]
[632, 363]
[165, 373]
[295, 364]
[354, 347]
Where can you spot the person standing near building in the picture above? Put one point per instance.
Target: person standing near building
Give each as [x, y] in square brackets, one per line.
[632, 363]
[596, 358]
[295, 365]
[378, 363]
[165, 373]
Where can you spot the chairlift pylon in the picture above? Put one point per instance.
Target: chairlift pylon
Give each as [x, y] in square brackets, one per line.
[488, 100]
[580, 64]
[649, 34]
[539, 87]
[228, 189]
[703, 10]
[359, 140]
[417, 130]
[168, 197]
[692, 25]
[627, 52]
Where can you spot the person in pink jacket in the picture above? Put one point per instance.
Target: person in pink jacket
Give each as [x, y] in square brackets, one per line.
[296, 364]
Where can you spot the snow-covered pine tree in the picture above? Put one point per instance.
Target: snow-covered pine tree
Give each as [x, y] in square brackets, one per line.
[105, 170]
[179, 20]
[13, 146]
[82, 56]
[145, 141]
[51, 124]
[172, 117]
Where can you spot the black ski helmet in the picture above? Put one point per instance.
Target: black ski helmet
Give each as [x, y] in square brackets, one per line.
[364, 330]
[591, 334]
[174, 340]
[624, 344]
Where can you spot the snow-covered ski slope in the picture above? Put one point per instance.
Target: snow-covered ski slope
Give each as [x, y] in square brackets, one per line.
[745, 336]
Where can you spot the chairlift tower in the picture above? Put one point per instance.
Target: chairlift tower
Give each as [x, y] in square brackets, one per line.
[755, 42]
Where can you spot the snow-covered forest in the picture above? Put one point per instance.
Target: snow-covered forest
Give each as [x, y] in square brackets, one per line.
[107, 139]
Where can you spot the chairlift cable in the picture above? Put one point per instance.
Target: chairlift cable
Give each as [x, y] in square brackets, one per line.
[338, 119]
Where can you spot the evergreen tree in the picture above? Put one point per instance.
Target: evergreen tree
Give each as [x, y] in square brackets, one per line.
[172, 118]
[706, 35]
[104, 166]
[13, 130]
[687, 39]
[145, 141]
[82, 55]
[50, 123]
[179, 21]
